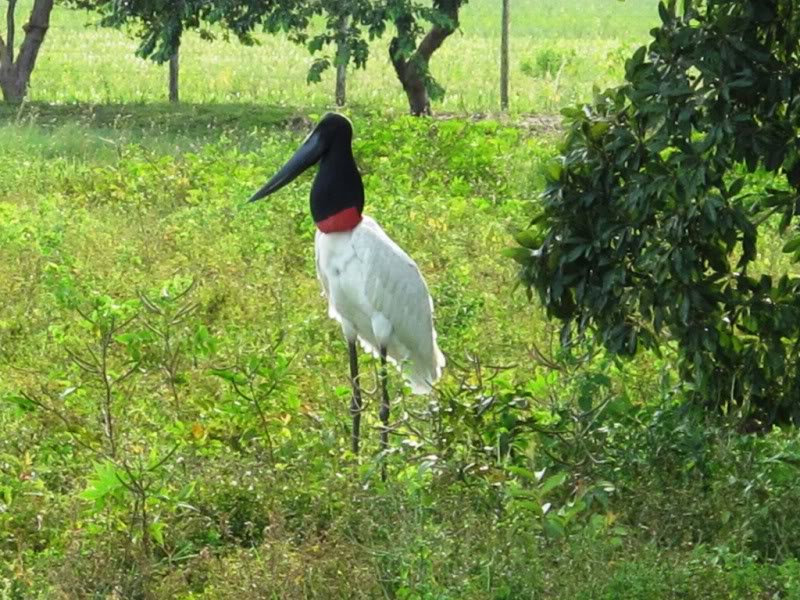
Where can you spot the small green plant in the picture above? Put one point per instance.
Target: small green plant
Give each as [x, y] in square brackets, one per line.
[549, 62]
[261, 381]
[136, 484]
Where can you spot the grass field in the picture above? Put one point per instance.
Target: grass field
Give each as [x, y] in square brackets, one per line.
[81, 63]
[174, 400]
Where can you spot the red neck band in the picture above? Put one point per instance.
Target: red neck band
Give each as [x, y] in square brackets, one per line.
[344, 220]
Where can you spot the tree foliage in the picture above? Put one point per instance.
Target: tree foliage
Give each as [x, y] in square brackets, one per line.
[420, 29]
[159, 24]
[649, 225]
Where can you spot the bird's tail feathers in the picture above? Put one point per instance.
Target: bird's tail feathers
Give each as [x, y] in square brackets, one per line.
[421, 377]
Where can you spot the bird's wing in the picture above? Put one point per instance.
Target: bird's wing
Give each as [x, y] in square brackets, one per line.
[395, 288]
[323, 280]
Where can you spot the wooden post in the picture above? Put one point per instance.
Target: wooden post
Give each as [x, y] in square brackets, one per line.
[504, 55]
[341, 68]
[174, 72]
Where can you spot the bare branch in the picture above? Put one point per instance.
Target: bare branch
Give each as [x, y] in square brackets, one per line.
[432, 42]
[183, 312]
[240, 393]
[122, 326]
[190, 287]
[93, 355]
[69, 427]
[154, 330]
[539, 357]
[108, 397]
[164, 459]
[128, 373]
[134, 486]
[82, 362]
[148, 304]
[85, 317]
[438, 33]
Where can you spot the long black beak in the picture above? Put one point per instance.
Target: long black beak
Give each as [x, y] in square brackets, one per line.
[306, 156]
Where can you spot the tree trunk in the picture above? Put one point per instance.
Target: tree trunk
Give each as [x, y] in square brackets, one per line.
[13, 88]
[413, 82]
[412, 71]
[174, 73]
[341, 68]
[15, 71]
[504, 55]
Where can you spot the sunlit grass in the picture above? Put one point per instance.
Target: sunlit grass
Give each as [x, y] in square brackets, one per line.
[89, 64]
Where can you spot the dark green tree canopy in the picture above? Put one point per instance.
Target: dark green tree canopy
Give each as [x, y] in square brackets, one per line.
[649, 224]
[159, 24]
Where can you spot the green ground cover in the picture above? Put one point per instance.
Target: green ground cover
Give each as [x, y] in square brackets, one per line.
[174, 400]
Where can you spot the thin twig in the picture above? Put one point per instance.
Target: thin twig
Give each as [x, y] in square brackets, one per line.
[63, 418]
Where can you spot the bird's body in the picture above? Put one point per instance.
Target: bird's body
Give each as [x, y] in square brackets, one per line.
[378, 295]
[374, 289]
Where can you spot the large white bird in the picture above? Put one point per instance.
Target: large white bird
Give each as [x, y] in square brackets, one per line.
[374, 289]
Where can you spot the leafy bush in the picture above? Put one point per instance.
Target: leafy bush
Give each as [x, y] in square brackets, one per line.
[648, 233]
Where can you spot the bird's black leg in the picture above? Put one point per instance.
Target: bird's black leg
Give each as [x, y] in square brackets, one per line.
[355, 402]
[384, 414]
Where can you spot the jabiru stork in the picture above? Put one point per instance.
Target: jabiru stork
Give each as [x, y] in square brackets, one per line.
[374, 289]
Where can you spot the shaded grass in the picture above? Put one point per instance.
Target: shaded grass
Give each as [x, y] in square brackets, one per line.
[198, 120]
[93, 132]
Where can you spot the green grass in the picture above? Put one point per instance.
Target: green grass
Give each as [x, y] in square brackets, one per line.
[94, 132]
[107, 194]
[98, 66]
[277, 507]
[78, 226]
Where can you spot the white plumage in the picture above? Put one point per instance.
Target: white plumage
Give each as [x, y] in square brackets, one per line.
[379, 296]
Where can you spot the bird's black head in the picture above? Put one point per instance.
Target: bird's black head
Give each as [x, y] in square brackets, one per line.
[334, 129]
[337, 195]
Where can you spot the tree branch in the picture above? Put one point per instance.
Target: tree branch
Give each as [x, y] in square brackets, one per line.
[433, 41]
[35, 30]
[398, 60]
[439, 33]
[405, 28]
[10, 29]
[69, 428]
[410, 60]
[7, 50]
